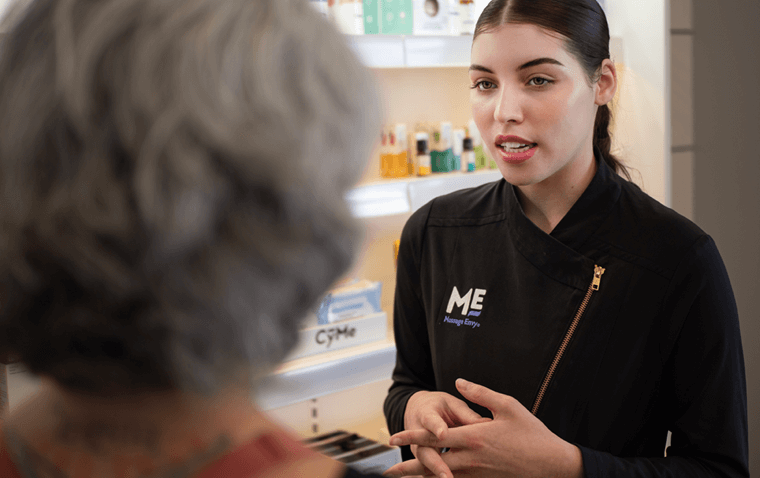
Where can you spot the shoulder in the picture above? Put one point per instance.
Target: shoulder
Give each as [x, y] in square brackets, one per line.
[643, 230]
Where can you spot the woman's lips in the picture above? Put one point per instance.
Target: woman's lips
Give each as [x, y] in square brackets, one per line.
[517, 157]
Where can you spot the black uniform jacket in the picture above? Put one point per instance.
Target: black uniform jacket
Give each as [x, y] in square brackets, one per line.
[484, 294]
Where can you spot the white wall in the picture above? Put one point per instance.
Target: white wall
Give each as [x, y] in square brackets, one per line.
[642, 127]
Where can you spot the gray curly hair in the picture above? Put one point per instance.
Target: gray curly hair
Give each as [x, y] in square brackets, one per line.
[173, 177]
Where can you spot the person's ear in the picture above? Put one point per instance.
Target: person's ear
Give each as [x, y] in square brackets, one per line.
[606, 86]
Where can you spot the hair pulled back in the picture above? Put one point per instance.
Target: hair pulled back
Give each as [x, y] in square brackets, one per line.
[583, 25]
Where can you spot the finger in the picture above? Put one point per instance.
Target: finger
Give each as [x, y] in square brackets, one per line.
[433, 423]
[494, 401]
[406, 468]
[464, 415]
[455, 438]
[431, 459]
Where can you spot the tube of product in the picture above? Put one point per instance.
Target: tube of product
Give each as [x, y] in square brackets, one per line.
[423, 155]
[458, 136]
[468, 155]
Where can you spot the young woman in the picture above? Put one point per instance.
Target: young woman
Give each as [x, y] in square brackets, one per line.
[172, 180]
[586, 319]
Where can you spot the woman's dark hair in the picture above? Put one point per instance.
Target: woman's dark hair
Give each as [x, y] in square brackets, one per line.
[172, 186]
[583, 26]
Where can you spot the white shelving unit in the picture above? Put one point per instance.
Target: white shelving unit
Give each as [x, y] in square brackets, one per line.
[330, 372]
[406, 195]
[391, 51]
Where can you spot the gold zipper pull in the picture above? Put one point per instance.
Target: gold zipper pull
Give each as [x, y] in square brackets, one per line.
[598, 271]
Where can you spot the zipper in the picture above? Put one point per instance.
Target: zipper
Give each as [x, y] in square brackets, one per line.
[594, 286]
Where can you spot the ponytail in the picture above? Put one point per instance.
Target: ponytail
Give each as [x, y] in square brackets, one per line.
[603, 141]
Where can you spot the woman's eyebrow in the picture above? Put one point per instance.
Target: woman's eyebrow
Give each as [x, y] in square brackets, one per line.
[480, 68]
[539, 61]
[532, 63]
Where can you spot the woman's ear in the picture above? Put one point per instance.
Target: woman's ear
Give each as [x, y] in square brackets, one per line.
[606, 85]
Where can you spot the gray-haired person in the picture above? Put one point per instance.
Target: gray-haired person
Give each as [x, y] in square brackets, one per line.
[173, 176]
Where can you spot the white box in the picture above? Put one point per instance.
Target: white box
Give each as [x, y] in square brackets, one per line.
[431, 17]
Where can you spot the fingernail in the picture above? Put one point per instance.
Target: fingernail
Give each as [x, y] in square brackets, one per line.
[442, 475]
[462, 382]
[393, 441]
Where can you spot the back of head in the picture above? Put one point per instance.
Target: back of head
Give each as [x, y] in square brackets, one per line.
[173, 177]
[583, 26]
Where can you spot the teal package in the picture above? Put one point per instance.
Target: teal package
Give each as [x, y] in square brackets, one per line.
[451, 162]
[396, 17]
[371, 16]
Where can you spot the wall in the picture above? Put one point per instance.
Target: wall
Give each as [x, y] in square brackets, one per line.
[727, 164]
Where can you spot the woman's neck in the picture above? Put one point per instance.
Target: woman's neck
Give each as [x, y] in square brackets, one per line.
[547, 202]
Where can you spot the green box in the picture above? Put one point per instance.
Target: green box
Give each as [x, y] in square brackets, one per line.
[371, 16]
[396, 17]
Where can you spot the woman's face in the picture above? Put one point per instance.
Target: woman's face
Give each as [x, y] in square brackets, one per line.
[534, 105]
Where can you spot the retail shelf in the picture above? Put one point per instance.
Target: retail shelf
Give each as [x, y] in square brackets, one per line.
[311, 377]
[406, 195]
[400, 51]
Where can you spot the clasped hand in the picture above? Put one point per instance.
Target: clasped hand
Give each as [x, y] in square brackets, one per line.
[512, 444]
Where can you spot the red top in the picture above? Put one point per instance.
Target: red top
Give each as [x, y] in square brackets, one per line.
[251, 460]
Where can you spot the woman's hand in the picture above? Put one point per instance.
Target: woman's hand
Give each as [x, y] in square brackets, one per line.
[514, 444]
[434, 413]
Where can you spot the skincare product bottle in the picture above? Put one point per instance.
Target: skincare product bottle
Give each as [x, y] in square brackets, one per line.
[458, 136]
[468, 16]
[386, 154]
[468, 155]
[477, 146]
[401, 154]
[423, 155]
[447, 154]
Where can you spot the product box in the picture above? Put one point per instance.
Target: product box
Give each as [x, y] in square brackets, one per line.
[357, 452]
[397, 17]
[431, 17]
[348, 15]
[353, 300]
[371, 15]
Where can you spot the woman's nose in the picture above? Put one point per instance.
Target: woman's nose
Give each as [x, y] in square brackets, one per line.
[509, 107]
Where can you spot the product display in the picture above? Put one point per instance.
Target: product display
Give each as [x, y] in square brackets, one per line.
[457, 147]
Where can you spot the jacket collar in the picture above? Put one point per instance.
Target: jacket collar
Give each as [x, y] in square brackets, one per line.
[556, 254]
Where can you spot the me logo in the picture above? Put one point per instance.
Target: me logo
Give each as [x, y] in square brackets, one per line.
[473, 299]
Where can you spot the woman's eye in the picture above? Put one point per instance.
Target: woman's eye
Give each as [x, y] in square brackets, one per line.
[483, 85]
[539, 81]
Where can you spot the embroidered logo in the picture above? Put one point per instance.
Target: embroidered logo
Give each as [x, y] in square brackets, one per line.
[470, 305]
